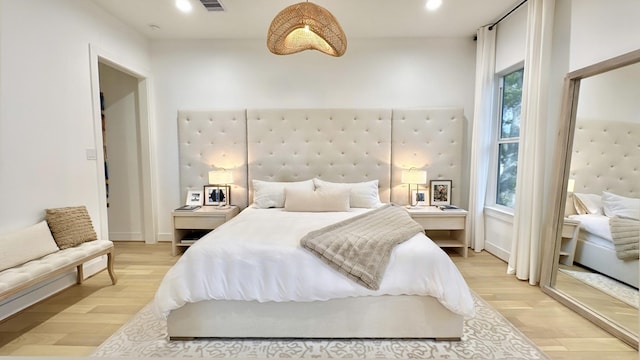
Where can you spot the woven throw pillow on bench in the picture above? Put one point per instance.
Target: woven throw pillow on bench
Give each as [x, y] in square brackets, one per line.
[70, 226]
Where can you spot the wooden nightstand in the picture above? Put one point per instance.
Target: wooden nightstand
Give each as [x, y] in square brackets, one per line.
[447, 228]
[568, 241]
[195, 223]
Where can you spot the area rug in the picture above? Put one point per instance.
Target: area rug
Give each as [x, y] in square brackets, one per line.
[488, 335]
[618, 290]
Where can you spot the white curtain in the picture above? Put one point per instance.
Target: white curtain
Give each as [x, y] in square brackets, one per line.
[482, 133]
[525, 257]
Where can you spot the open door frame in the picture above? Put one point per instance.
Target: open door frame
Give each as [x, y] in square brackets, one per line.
[147, 145]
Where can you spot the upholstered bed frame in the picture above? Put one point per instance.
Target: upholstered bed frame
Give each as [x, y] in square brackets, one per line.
[341, 145]
[606, 157]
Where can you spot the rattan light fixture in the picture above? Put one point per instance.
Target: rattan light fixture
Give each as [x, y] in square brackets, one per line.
[306, 26]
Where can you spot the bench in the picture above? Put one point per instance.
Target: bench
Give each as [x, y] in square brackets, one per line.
[31, 256]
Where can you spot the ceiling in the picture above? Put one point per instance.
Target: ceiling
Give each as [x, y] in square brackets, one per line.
[359, 18]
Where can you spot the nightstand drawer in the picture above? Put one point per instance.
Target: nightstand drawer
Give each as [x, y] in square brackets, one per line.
[441, 222]
[198, 222]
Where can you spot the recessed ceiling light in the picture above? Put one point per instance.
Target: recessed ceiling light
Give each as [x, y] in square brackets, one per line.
[433, 5]
[184, 6]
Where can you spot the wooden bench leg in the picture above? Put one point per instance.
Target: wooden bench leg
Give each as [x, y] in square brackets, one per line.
[112, 274]
[80, 274]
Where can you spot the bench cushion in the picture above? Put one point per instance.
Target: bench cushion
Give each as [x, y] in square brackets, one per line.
[70, 226]
[18, 275]
[26, 244]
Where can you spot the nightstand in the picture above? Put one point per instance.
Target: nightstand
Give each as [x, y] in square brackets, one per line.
[188, 226]
[568, 241]
[447, 228]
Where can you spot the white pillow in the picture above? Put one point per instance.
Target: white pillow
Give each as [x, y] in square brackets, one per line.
[269, 194]
[26, 244]
[316, 201]
[587, 203]
[617, 205]
[362, 194]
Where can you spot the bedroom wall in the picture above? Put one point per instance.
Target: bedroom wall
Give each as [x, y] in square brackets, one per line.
[46, 113]
[227, 74]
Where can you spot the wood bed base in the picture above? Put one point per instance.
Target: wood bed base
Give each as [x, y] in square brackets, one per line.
[359, 317]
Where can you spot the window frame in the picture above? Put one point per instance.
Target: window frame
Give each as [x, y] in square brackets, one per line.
[492, 191]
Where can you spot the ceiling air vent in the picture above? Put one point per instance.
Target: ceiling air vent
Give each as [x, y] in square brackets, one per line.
[212, 5]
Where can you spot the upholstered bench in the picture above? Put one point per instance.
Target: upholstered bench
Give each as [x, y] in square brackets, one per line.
[32, 255]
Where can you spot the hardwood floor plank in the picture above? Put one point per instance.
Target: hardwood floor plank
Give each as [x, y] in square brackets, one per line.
[75, 321]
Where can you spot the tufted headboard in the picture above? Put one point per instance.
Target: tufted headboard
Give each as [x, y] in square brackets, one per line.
[606, 157]
[340, 145]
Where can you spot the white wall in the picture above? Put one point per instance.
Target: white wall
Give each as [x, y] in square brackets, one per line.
[243, 74]
[121, 110]
[603, 29]
[46, 110]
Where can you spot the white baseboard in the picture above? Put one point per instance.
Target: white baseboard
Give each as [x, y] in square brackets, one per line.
[47, 288]
[493, 249]
[125, 236]
[165, 237]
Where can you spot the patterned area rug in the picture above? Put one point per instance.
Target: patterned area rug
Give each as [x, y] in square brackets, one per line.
[618, 290]
[488, 335]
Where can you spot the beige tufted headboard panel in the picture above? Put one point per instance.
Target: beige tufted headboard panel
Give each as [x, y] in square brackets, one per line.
[340, 145]
[606, 157]
[428, 139]
[210, 140]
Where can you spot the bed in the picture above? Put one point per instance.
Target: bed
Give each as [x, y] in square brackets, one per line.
[604, 165]
[341, 147]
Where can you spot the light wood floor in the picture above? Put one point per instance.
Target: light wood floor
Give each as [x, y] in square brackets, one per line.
[77, 320]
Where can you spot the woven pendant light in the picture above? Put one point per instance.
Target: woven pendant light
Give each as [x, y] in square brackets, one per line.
[306, 26]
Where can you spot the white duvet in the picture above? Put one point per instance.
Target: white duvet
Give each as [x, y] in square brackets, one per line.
[257, 256]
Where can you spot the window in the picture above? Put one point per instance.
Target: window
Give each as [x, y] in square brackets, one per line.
[509, 137]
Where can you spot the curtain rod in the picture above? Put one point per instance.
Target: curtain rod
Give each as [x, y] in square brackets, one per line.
[505, 15]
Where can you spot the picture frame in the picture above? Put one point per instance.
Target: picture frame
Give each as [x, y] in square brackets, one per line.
[217, 195]
[419, 197]
[440, 191]
[194, 197]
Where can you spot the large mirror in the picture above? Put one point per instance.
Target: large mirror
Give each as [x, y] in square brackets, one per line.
[596, 219]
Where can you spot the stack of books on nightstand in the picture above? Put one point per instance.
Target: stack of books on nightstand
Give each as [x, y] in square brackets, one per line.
[188, 208]
[192, 236]
[448, 207]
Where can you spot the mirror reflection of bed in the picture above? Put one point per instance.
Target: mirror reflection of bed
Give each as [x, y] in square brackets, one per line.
[605, 181]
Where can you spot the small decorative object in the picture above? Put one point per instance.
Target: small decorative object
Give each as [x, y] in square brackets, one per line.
[194, 197]
[306, 26]
[217, 195]
[188, 208]
[413, 176]
[440, 192]
[219, 179]
[419, 198]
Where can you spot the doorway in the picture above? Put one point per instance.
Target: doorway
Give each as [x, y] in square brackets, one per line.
[134, 79]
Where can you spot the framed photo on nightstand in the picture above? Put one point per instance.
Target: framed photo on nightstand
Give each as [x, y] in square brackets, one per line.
[440, 192]
[419, 198]
[217, 195]
[194, 197]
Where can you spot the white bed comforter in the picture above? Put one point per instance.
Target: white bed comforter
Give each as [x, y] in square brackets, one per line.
[257, 256]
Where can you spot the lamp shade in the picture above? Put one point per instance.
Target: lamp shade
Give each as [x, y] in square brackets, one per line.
[571, 185]
[306, 26]
[413, 176]
[220, 177]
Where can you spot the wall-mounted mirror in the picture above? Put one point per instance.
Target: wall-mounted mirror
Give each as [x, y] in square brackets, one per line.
[592, 263]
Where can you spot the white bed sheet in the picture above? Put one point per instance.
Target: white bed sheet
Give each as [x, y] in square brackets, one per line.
[595, 224]
[257, 256]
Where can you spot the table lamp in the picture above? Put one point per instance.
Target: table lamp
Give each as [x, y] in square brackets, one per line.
[221, 178]
[413, 176]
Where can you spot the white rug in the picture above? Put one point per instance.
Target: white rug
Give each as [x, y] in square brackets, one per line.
[488, 335]
[618, 290]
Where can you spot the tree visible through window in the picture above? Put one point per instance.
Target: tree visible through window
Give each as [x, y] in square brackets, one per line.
[509, 136]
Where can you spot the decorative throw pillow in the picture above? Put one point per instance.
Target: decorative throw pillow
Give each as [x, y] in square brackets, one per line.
[587, 203]
[316, 201]
[25, 245]
[70, 226]
[362, 194]
[270, 194]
